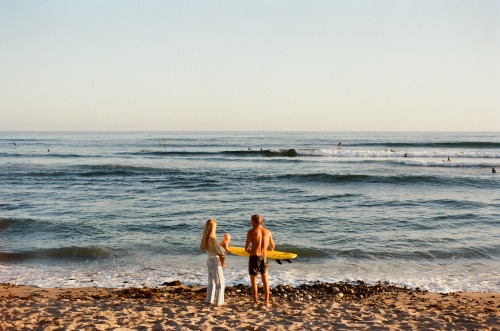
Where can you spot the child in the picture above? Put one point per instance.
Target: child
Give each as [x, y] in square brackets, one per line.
[226, 238]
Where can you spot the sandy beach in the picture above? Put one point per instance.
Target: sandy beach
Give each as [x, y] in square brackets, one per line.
[319, 306]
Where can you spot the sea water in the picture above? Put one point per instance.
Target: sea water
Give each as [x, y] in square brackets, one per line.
[121, 209]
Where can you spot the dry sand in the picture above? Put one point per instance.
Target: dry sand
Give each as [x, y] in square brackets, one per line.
[321, 306]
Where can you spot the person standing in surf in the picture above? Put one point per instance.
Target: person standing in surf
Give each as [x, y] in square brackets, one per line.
[259, 239]
[216, 284]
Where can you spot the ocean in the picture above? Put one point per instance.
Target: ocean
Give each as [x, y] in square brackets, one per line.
[122, 209]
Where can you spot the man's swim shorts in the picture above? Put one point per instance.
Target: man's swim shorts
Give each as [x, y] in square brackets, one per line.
[256, 265]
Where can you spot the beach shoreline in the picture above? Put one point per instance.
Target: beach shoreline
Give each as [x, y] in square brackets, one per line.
[315, 306]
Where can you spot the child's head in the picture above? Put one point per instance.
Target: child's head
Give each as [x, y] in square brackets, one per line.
[226, 237]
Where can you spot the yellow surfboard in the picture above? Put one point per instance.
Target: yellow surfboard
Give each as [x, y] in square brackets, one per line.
[275, 255]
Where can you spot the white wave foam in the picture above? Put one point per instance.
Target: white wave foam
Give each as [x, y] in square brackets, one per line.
[397, 154]
[451, 164]
[431, 276]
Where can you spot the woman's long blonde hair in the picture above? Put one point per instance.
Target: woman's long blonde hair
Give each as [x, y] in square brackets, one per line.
[208, 231]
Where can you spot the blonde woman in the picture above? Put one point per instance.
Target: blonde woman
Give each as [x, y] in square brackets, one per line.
[215, 290]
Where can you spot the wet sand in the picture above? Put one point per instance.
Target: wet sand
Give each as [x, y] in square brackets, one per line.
[318, 306]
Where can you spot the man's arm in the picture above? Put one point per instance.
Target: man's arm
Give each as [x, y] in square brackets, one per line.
[248, 242]
[271, 242]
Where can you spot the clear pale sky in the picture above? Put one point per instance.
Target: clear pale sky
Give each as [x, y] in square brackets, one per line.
[350, 65]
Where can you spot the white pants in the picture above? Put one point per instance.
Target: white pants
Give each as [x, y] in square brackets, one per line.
[216, 285]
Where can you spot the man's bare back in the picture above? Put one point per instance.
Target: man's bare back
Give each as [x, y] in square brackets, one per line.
[259, 238]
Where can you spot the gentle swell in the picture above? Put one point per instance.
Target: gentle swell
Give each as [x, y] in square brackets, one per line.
[72, 252]
[324, 178]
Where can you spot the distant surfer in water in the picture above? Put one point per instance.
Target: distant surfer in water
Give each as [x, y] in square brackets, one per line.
[493, 170]
[259, 239]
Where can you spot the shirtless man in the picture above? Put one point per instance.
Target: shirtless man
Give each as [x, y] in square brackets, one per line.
[259, 239]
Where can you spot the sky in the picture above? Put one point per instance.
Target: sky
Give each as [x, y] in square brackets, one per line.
[243, 65]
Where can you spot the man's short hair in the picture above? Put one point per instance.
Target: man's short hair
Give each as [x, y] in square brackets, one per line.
[257, 219]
